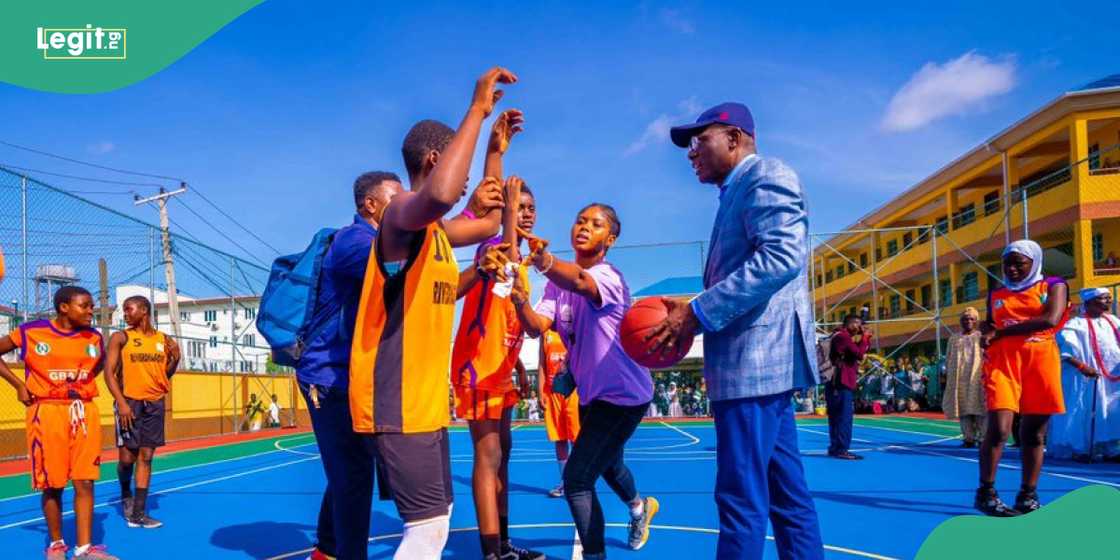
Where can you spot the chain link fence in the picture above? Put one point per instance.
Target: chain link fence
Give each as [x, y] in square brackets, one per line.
[226, 381]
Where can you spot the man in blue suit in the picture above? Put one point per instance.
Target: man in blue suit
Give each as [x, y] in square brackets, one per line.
[757, 322]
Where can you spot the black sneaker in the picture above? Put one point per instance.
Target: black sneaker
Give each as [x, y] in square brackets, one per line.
[513, 552]
[1027, 502]
[143, 521]
[988, 503]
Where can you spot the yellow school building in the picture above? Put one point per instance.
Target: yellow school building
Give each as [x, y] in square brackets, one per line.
[935, 249]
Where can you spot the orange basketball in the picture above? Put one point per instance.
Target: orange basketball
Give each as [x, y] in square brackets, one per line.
[638, 323]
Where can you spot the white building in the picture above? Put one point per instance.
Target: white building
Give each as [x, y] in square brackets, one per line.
[218, 334]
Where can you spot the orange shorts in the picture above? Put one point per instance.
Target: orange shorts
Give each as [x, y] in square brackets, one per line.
[1024, 376]
[61, 450]
[561, 416]
[480, 404]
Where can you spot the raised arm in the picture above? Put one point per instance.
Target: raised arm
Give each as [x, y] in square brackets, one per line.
[414, 211]
[482, 218]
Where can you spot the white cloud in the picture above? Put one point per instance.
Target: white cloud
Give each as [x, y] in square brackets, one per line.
[676, 21]
[101, 148]
[941, 90]
[657, 131]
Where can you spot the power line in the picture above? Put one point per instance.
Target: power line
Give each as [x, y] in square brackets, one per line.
[237, 223]
[81, 178]
[220, 232]
[80, 162]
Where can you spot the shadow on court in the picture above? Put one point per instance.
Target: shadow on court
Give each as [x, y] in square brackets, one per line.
[69, 530]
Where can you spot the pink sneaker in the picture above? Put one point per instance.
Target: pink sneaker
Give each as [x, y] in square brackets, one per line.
[97, 552]
[57, 551]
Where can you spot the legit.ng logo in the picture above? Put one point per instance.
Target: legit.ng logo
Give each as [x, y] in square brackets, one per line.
[83, 43]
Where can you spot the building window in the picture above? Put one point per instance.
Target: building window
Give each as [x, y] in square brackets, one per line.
[927, 292]
[1098, 247]
[991, 203]
[828, 277]
[250, 313]
[196, 349]
[946, 290]
[995, 275]
[923, 236]
[184, 316]
[971, 287]
[907, 240]
[878, 254]
[910, 297]
[1094, 157]
[819, 283]
[851, 267]
[249, 340]
[863, 260]
[213, 342]
[210, 315]
[892, 247]
[840, 271]
[896, 305]
[965, 216]
[942, 225]
[246, 366]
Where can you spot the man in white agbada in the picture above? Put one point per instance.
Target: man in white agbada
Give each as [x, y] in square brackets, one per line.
[1090, 346]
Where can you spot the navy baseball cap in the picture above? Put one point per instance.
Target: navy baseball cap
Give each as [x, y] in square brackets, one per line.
[733, 114]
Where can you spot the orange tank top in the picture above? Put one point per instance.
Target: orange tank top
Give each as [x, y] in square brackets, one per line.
[59, 364]
[1007, 307]
[554, 358]
[489, 340]
[144, 365]
[402, 339]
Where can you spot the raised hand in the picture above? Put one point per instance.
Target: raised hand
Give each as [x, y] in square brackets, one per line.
[486, 94]
[508, 124]
[487, 196]
[493, 262]
[537, 248]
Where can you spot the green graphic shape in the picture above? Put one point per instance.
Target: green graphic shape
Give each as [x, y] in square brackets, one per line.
[1070, 527]
[155, 35]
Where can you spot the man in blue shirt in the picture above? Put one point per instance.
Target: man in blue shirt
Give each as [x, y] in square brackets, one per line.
[758, 324]
[324, 375]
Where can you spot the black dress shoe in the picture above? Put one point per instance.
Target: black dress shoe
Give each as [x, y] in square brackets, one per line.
[846, 456]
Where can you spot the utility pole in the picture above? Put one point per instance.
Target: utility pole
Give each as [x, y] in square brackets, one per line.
[168, 264]
[103, 298]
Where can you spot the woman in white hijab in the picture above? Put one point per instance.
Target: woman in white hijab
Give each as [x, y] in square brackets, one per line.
[1022, 371]
[1090, 347]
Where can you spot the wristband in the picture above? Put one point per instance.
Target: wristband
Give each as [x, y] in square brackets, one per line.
[468, 214]
[551, 262]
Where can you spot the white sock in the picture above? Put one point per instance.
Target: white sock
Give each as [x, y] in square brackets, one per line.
[638, 510]
[59, 541]
[424, 540]
[80, 550]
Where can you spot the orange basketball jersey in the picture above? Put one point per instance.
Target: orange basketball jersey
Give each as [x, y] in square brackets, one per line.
[555, 356]
[59, 364]
[402, 339]
[489, 340]
[144, 366]
[1007, 307]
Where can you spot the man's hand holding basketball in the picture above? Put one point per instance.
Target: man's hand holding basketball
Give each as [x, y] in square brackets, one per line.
[678, 326]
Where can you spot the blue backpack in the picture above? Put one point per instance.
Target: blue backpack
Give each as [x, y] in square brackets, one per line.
[289, 300]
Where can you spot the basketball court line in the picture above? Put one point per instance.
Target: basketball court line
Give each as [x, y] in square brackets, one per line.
[682, 528]
[176, 469]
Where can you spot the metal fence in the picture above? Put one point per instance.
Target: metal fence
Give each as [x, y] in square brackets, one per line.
[51, 237]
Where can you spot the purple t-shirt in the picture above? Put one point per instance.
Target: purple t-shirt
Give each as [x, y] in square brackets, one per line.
[601, 367]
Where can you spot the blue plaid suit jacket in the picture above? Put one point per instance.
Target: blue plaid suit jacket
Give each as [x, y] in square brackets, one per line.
[755, 309]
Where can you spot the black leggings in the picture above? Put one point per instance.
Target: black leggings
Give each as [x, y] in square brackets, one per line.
[604, 430]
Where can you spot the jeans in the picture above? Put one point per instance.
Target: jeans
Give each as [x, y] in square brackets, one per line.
[344, 513]
[759, 477]
[839, 401]
[604, 430]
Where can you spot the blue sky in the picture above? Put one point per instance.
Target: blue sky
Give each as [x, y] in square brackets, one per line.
[275, 115]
